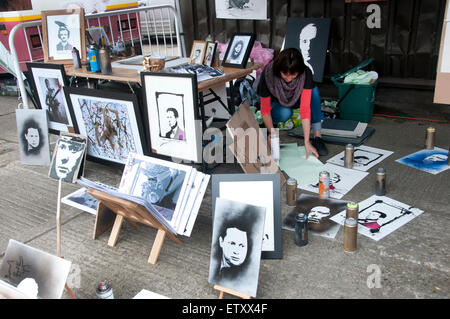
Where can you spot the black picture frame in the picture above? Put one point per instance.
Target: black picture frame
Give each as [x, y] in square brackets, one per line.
[130, 132]
[156, 85]
[217, 179]
[38, 72]
[230, 59]
[209, 57]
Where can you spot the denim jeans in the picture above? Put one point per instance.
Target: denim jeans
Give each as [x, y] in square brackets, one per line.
[281, 113]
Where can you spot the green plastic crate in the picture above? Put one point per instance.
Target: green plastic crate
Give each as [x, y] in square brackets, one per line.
[356, 101]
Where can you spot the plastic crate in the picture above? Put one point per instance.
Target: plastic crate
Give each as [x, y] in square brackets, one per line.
[356, 101]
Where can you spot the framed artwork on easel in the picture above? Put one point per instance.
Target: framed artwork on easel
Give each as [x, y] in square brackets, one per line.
[63, 30]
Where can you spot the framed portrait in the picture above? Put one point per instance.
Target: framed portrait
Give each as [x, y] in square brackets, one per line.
[110, 120]
[67, 160]
[48, 81]
[63, 30]
[310, 36]
[260, 190]
[238, 50]
[197, 52]
[81, 199]
[34, 144]
[210, 53]
[236, 245]
[172, 125]
[241, 9]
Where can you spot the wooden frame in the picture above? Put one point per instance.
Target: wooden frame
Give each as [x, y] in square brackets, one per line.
[249, 182]
[120, 110]
[210, 56]
[196, 46]
[179, 91]
[73, 23]
[131, 212]
[55, 75]
[238, 59]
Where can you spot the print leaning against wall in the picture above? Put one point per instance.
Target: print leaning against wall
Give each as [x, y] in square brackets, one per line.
[241, 9]
[111, 121]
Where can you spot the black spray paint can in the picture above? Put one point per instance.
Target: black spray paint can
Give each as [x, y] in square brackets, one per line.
[301, 230]
[380, 183]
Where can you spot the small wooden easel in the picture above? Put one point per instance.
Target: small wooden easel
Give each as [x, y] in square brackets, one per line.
[110, 206]
[230, 292]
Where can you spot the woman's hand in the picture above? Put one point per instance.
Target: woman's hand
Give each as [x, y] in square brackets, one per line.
[309, 148]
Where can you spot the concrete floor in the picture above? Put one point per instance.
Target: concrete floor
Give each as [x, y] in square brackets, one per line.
[414, 260]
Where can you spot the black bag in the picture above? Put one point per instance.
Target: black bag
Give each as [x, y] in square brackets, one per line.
[242, 89]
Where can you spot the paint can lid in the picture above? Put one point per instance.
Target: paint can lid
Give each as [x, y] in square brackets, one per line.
[351, 222]
[103, 286]
[301, 217]
[349, 146]
[431, 129]
[291, 181]
[381, 170]
[352, 205]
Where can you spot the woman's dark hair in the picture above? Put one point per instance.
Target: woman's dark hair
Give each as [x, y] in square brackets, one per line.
[288, 61]
[31, 123]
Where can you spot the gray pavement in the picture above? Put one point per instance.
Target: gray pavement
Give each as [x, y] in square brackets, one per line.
[414, 260]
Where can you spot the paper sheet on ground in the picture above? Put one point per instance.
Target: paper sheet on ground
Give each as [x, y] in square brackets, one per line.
[342, 180]
[431, 161]
[293, 161]
[364, 157]
[380, 215]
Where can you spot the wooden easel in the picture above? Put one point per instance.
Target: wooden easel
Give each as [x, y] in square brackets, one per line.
[230, 292]
[131, 212]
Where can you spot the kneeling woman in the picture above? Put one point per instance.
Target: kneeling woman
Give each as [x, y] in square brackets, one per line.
[287, 83]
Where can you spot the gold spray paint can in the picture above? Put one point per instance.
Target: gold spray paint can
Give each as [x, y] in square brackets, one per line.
[291, 192]
[429, 139]
[348, 159]
[350, 234]
[352, 210]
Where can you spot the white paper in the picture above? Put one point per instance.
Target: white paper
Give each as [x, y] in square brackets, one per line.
[445, 58]
[249, 10]
[365, 157]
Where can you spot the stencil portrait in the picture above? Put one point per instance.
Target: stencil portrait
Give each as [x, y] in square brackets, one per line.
[32, 138]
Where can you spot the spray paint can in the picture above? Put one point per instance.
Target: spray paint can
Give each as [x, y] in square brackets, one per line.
[105, 60]
[380, 183]
[429, 138]
[349, 151]
[291, 192]
[93, 58]
[350, 234]
[275, 145]
[104, 291]
[324, 184]
[352, 210]
[76, 58]
[301, 230]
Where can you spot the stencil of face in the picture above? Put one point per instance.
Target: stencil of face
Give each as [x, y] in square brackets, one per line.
[308, 33]
[317, 213]
[234, 246]
[435, 158]
[32, 137]
[66, 158]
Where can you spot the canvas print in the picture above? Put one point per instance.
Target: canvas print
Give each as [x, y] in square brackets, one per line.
[34, 145]
[238, 50]
[48, 81]
[364, 157]
[172, 124]
[260, 190]
[430, 161]
[236, 245]
[342, 180]
[162, 183]
[241, 9]
[198, 52]
[319, 211]
[310, 36]
[62, 31]
[110, 121]
[81, 199]
[48, 271]
[380, 215]
[67, 159]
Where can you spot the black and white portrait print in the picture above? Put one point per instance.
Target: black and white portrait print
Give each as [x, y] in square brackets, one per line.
[238, 49]
[241, 9]
[32, 127]
[310, 36]
[54, 99]
[63, 34]
[67, 159]
[81, 199]
[236, 245]
[171, 115]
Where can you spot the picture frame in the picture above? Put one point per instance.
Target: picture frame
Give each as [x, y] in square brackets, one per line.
[63, 30]
[47, 81]
[197, 52]
[111, 121]
[172, 122]
[210, 53]
[238, 50]
[265, 191]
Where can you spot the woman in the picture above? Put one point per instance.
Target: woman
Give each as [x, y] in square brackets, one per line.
[287, 83]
